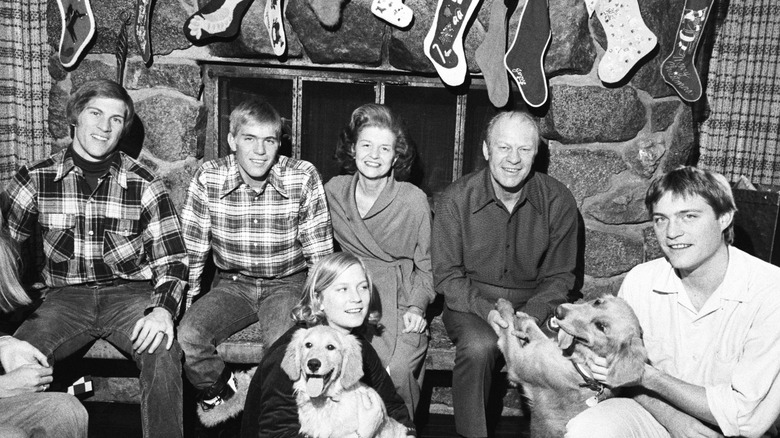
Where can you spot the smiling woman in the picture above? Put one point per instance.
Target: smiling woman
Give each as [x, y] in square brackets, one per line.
[337, 294]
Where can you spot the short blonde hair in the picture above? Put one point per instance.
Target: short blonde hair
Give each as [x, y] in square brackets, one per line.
[321, 276]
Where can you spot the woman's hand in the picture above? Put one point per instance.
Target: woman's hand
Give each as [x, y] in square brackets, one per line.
[25, 379]
[414, 320]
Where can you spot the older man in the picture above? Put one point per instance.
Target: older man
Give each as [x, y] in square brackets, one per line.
[711, 320]
[504, 231]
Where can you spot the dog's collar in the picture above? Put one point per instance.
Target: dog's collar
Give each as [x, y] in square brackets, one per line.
[589, 381]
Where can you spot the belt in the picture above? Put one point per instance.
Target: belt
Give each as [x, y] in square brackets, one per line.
[104, 283]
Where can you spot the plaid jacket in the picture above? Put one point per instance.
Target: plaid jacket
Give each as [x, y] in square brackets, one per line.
[272, 234]
[127, 228]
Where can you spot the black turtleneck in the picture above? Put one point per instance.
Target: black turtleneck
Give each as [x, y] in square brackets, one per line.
[93, 170]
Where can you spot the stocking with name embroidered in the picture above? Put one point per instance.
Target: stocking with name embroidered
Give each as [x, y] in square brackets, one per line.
[78, 28]
[678, 69]
[217, 19]
[628, 38]
[525, 58]
[443, 45]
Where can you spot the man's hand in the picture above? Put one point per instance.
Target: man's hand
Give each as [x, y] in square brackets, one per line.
[149, 331]
[681, 425]
[414, 320]
[15, 353]
[497, 322]
[25, 379]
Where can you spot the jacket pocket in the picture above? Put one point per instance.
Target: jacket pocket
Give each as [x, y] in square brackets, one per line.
[58, 234]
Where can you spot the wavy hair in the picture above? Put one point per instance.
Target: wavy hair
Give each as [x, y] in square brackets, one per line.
[378, 116]
[99, 88]
[687, 181]
[321, 276]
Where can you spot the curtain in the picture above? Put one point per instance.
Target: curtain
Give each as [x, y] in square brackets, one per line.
[742, 134]
[24, 85]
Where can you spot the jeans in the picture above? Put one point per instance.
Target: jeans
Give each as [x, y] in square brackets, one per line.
[46, 414]
[234, 303]
[616, 418]
[71, 317]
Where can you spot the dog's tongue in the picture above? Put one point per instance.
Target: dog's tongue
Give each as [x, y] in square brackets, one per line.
[564, 340]
[314, 386]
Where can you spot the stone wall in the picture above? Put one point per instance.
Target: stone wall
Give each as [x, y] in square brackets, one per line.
[605, 143]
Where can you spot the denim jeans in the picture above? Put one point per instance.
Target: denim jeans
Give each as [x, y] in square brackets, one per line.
[47, 414]
[234, 303]
[71, 317]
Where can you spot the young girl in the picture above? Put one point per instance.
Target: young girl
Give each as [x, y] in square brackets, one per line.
[337, 293]
[387, 223]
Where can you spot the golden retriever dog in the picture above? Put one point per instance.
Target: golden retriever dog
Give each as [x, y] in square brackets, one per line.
[326, 366]
[553, 375]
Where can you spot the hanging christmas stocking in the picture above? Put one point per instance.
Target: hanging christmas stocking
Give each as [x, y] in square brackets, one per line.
[443, 44]
[217, 19]
[393, 11]
[678, 69]
[525, 58]
[628, 38]
[142, 27]
[327, 11]
[273, 22]
[78, 27]
[490, 55]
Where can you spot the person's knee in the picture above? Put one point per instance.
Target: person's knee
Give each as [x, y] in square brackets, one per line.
[12, 432]
[477, 351]
[190, 332]
[70, 415]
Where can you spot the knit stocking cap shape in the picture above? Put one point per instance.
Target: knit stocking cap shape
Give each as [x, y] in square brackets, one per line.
[490, 56]
[443, 45]
[217, 19]
[78, 28]
[628, 38]
[272, 17]
[525, 58]
[327, 11]
[678, 69]
[142, 28]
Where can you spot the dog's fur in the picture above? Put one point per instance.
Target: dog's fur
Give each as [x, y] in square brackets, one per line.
[341, 405]
[606, 327]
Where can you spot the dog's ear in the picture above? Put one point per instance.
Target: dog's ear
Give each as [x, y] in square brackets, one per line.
[352, 362]
[291, 364]
[627, 365]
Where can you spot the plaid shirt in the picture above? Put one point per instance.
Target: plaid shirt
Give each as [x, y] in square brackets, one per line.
[127, 228]
[272, 234]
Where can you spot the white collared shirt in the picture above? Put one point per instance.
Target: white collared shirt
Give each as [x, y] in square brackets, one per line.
[731, 346]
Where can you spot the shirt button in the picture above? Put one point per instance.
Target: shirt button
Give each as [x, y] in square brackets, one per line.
[255, 220]
[91, 233]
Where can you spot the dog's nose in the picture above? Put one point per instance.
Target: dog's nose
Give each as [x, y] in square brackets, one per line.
[314, 365]
[560, 312]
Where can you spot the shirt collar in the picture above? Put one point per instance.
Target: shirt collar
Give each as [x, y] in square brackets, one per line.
[117, 170]
[485, 193]
[732, 288]
[386, 197]
[275, 176]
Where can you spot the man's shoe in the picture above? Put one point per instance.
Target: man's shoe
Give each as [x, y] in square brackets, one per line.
[228, 391]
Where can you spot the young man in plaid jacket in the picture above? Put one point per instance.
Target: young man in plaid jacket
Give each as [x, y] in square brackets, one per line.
[264, 218]
[115, 261]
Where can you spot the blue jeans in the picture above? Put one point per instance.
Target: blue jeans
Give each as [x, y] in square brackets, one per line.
[234, 303]
[46, 414]
[71, 317]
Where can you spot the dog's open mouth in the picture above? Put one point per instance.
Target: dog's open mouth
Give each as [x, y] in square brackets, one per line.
[315, 383]
[566, 341]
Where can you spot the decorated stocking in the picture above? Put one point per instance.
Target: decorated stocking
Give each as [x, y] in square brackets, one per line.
[628, 38]
[78, 27]
[392, 11]
[490, 55]
[443, 44]
[327, 11]
[273, 22]
[142, 27]
[217, 19]
[525, 58]
[678, 69]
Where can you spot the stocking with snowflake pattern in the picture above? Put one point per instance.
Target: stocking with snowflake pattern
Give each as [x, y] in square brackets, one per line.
[628, 38]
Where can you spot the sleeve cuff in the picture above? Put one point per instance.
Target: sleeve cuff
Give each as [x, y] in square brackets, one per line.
[540, 311]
